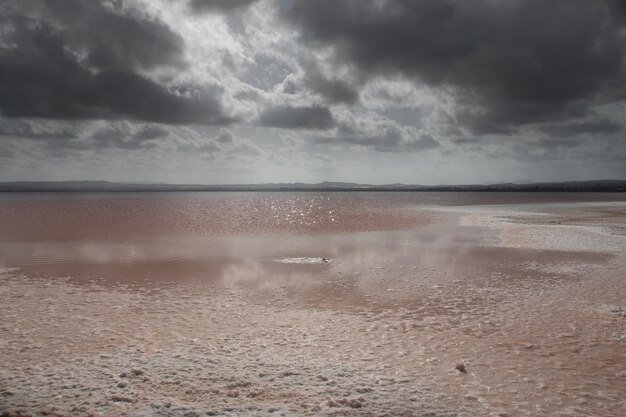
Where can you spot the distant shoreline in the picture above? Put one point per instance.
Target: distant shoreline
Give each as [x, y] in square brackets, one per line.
[615, 186]
[286, 190]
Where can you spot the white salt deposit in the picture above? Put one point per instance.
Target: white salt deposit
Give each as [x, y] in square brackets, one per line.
[304, 260]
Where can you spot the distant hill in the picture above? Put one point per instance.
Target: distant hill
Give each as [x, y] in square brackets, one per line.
[105, 186]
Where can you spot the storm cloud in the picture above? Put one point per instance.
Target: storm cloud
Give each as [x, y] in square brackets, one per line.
[333, 90]
[110, 35]
[82, 60]
[516, 61]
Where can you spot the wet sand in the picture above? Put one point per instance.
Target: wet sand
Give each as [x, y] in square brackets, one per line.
[317, 313]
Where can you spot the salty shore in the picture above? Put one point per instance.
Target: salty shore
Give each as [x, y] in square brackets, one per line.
[529, 298]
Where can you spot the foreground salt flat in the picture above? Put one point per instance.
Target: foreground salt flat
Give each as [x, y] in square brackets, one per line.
[377, 330]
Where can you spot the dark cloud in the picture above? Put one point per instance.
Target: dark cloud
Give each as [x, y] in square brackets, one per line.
[219, 5]
[45, 73]
[297, 117]
[333, 90]
[519, 60]
[110, 35]
[132, 95]
[58, 88]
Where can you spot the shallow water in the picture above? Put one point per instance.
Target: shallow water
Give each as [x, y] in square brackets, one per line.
[181, 236]
[133, 216]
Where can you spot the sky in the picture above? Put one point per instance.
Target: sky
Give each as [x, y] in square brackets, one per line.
[368, 91]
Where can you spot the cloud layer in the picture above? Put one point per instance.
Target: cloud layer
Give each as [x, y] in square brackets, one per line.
[366, 91]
